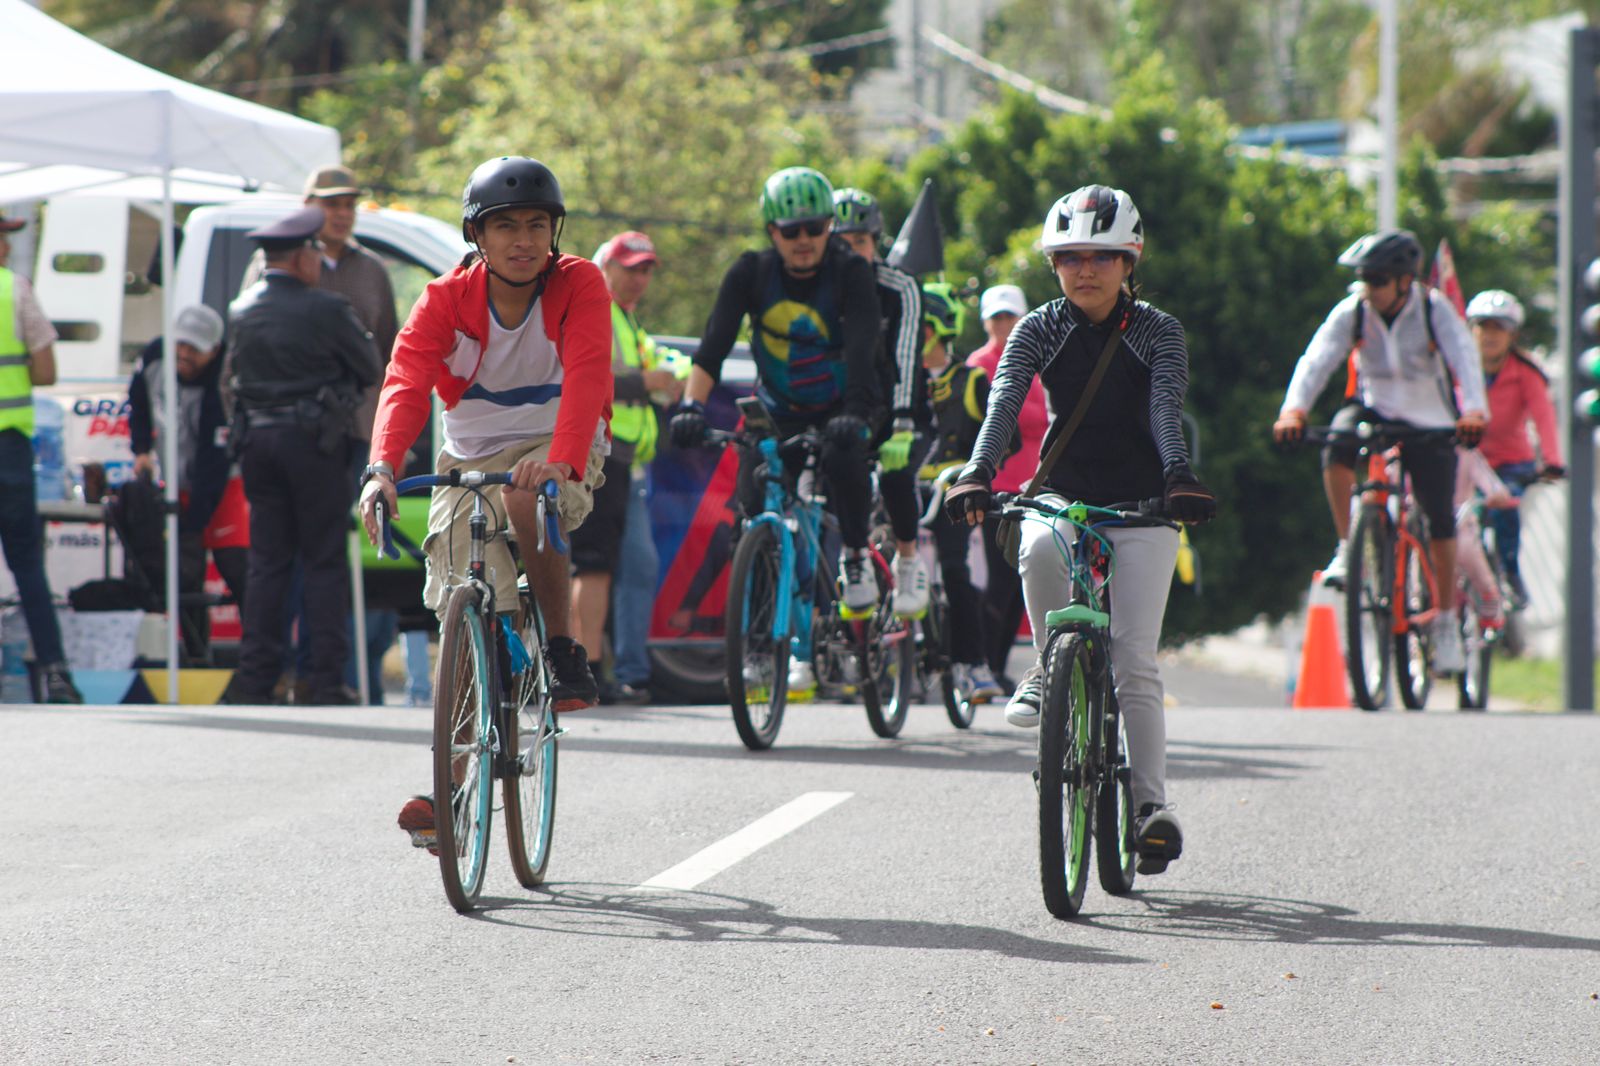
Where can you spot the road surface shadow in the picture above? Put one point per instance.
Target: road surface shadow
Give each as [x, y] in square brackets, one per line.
[1226, 916]
[693, 916]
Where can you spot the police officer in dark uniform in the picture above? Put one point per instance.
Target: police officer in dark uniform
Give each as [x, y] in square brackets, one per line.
[298, 359]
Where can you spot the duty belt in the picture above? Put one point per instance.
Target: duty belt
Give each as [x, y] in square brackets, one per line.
[271, 417]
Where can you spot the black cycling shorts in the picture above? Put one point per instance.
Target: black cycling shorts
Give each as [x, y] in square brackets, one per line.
[1431, 465]
[597, 544]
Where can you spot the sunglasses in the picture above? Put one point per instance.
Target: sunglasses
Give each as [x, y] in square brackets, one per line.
[1376, 281]
[814, 228]
[1075, 262]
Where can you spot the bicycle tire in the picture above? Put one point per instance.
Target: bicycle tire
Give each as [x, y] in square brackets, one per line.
[960, 711]
[529, 789]
[1064, 770]
[1368, 623]
[462, 748]
[757, 664]
[1413, 649]
[884, 661]
[1115, 853]
[1472, 684]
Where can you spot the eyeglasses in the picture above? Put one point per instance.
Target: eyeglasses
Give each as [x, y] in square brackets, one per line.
[814, 228]
[1074, 262]
[1376, 281]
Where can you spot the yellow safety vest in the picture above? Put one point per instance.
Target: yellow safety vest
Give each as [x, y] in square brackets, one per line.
[632, 421]
[16, 387]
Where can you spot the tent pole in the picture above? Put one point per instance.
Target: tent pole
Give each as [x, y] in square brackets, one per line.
[169, 442]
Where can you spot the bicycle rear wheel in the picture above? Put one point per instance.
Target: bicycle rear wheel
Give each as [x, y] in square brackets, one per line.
[937, 659]
[886, 664]
[758, 662]
[1065, 792]
[1413, 649]
[529, 789]
[1115, 853]
[1368, 591]
[463, 756]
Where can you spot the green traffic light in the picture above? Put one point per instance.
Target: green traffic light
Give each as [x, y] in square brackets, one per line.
[1587, 405]
[1589, 363]
[1591, 277]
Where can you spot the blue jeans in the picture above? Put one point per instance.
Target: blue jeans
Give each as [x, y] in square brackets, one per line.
[1507, 524]
[633, 588]
[419, 671]
[22, 536]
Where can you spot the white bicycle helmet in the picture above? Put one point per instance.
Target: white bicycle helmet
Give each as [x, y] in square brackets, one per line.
[1496, 303]
[1095, 216]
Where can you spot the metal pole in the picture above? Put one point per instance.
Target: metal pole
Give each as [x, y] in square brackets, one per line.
[419, 18]
[916, 59]
[358, 612]
[1577, 249]
[169, 443]
[1389, 113]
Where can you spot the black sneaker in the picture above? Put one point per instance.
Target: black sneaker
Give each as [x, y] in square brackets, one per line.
[1157, 838]
[574, 687]
[58, 686]
[620, 693]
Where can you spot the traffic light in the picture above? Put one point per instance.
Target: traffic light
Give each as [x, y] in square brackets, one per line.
[1587, 403]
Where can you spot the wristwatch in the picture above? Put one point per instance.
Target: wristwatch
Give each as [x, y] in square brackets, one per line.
[373, 470]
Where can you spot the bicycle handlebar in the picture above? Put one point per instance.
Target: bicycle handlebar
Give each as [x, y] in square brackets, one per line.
[549, 525]
[1374, 434]
[1150, 512]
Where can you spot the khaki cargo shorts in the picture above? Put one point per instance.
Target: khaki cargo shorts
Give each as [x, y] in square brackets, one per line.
[449, 539]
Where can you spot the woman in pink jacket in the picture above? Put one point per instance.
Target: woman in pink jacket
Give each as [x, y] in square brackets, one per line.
[1518, 393]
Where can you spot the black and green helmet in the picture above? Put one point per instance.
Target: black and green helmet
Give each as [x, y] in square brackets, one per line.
[855, 211]
[942, 310]
[796, 194]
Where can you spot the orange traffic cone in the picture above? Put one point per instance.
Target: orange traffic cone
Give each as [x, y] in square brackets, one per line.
[1322, 682]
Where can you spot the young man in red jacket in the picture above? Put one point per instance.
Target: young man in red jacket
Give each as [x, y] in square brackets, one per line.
[517, 343]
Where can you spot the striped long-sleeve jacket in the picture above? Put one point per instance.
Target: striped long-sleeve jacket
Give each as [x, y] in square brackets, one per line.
[1132, 433]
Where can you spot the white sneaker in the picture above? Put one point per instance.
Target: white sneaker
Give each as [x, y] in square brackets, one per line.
[1338, 568]
[802, 679]
[910, 586]
[975, 683]
[1448, 658]
[1023, 710]
[859, 593]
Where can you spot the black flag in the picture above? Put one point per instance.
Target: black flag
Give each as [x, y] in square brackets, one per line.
[920, 247]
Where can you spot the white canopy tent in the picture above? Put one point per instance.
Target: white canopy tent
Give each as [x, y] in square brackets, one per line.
[76, 115]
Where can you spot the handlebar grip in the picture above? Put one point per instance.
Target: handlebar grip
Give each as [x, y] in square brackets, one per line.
[386, 548]
[552, 519]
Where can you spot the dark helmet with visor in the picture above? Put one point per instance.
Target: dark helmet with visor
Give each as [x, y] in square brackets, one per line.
[855, 211]
[1391, 251]
[512, 181]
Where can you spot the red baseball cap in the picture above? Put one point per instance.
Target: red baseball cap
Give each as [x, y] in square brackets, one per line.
[628, 250]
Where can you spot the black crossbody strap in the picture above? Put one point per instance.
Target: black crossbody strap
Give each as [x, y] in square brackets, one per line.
[1060, 445]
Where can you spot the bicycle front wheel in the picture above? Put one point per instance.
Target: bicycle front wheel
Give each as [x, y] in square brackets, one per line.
[1368, 593]
[1065, 791]
[938, 660]
[1115, 853]
[887, 658]
[463, 755]
[1413, 649]
[757, 661]
[1472, 686]
[529, 788]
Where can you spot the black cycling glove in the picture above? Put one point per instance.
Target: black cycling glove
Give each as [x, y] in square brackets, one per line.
[969, 495]
[688, 426]
[847, 432]
[1186, 499]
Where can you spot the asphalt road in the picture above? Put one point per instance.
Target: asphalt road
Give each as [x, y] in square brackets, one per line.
[227, 886]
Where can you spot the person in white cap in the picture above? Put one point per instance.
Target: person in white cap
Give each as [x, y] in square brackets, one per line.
[213, 513]
[1001, 307]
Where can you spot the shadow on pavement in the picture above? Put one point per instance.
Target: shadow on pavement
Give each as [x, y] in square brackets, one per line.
[629, 912]
[290, 727]
[1223, 916]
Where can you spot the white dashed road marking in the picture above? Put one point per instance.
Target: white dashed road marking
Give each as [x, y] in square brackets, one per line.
[708, 862]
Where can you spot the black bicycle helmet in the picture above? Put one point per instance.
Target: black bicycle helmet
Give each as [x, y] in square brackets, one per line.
[855, 211]
[507, 182]
[1389, 251]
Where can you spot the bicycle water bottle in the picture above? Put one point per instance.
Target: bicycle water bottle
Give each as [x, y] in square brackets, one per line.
[49, 453]
[15, 687]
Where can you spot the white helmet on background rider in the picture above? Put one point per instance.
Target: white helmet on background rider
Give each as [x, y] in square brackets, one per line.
[1496, 303]
[1095, 216]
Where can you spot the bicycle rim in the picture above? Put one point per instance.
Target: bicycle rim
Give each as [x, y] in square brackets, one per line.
[1065, 789]
[463, 768]
[757, 664]
[1368, 636]
[1472, 686]
[529, 790]
[888, 661]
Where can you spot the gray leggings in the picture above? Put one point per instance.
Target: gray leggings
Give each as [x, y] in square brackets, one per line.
[1139, 587]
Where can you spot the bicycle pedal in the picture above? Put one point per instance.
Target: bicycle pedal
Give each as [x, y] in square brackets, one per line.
[425, 838]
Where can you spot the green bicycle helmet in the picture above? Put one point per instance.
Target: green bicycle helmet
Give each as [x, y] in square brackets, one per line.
[942, 310]
[855, 211]
[796, 194]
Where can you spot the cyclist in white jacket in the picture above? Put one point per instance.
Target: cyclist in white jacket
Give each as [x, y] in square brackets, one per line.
[1409, 343]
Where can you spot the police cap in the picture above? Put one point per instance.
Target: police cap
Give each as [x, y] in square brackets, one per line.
[289, 233]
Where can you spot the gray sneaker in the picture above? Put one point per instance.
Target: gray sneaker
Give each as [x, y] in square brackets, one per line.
[1157, 838]
[1448, 658]
[1023, 709]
